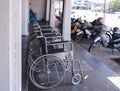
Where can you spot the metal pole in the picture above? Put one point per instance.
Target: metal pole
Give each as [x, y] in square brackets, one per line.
[59, 7]
[104, 9]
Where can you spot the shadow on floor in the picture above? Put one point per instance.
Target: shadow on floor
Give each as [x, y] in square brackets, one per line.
[117, 60]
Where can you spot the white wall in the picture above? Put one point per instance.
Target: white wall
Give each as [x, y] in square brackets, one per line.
[52, 13]
[4, 46]
[39, 7]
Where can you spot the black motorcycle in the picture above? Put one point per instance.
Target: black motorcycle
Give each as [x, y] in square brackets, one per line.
[108, 39]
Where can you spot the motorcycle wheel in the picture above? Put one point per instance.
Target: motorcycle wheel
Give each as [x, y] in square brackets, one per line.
[93, 45]
[118, 49]
[90, 47]
[78, 38]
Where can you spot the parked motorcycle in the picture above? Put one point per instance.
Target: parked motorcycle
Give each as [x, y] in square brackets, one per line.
[109, 38]
[76, 32]
[82, 30]
[87, 29]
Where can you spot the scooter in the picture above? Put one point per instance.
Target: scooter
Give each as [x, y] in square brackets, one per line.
[79, 34]
[84, 31]
[108, 39]
[76, 32]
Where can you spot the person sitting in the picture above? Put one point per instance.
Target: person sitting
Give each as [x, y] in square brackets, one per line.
[32, 16]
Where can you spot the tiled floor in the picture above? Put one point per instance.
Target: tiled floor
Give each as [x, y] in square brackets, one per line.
[96, 71]
[104, 55]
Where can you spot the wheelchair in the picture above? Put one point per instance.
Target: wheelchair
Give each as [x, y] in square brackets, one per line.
[51, 58]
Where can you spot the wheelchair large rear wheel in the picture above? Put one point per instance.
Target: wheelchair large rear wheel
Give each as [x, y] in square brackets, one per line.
[50, 71]
[34, 54]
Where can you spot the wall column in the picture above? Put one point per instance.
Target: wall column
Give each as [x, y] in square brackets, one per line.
[25, 16]
[67, 20]
[10, 47]
[15, 37]
[52, 13]
[47, 10]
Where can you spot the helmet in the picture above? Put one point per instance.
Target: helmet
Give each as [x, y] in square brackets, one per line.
[116, 30]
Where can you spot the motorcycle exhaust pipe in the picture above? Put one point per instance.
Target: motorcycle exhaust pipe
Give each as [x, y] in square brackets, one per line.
[97, 39]
[79, 33]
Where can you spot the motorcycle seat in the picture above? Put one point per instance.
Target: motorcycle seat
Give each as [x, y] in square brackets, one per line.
[112, 42]
[116, 36]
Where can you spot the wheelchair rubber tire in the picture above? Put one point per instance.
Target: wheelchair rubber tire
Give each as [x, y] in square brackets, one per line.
[76, 79]
[40, 80]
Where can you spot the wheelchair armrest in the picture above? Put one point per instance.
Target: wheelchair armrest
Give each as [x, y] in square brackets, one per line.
[38, 37]
[49, 34]
[54, 37]
[36, 31]
[39, 32]
[58, 42]
[43, 26]
[36, 27]
[49, 29]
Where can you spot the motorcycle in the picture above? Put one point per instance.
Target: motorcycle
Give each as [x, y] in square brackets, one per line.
[108, 38]
[90, 29]
[76, 32]
[78, 35]
[83, 31]
[86, 29]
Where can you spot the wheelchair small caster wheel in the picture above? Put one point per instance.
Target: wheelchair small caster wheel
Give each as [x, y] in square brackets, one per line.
[76, 79]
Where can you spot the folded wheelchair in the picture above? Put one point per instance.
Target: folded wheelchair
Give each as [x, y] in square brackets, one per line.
[50, 57]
